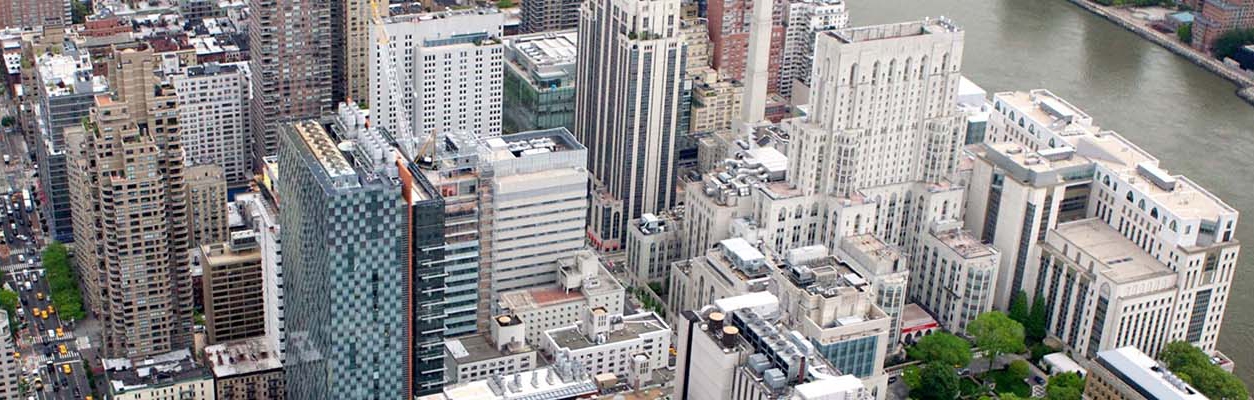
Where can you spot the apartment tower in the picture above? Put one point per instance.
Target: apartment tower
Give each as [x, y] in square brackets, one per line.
[289, 46]
[126, 171]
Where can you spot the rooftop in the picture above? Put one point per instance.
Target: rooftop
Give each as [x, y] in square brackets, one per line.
[545, 49]
[961, 241]
[1147, 376]
[541, 384]
[522, 300]
[161, 370]
[475, 348]
[524, 144]
[928, 26]
[69, 73]
[242, 357]
[1048, 111]
[633, 327]
[1122, 261]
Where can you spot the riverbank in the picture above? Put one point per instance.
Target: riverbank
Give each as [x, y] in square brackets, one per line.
[1244, 83]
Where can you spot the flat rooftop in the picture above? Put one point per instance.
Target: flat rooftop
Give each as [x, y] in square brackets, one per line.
[530, 143]
[523, 300]
[892, 31]
[1135, 166]
[1143, 373]
[872, 246]
[633, 327]
[964, 243]
[547, 385]
[160, 370]
[475, 348]
[545, 48]
[242, 357]
[1121, 260]
[1048, 110]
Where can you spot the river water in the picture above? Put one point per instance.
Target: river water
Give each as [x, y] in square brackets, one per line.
[1187, 117]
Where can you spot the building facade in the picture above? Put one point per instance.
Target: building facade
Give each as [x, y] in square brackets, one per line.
[539, 88]
[34, 13]
[806, 18]
[438, 72]
[344, 270]
[247, 369]
[135, 197]
[289, 46]
[233, 287]
[628, 109]
[1128, 374]
[213, 106]
[653, 244]
[538, 202]
[206, 204]
[613, 343]
[549, 15]
[174, 375]
[729, 26]
[1213, 18]
[65, 96]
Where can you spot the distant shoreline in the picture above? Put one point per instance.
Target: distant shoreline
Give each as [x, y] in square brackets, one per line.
[1244, 83]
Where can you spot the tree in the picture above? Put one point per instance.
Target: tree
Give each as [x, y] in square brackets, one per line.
[79, 11]
[1064, 386]
[1193, 366]
[943, 347]
[1229, 42]
[1185, 32]
[504, 4]
[9, 300]
[1019, 308]
[1035, 327]
[1009, 396]
[910, 375]
[7, 121]
[939, 382]
[1019, 369]
[996, 334]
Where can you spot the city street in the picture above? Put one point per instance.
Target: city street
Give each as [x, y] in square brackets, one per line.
[40, 343]
[47, 345]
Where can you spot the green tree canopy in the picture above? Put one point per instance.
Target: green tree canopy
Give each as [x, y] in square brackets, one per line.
[996, 334]
[1193, 366]
[66, 298]
[1019, 369]
[1034, 329]
[910, 375]
[1229, 42]
[1009, 396]
[1064, 386]
[1185, 33]
[943, 347]
[939, 382]
[1019, 308]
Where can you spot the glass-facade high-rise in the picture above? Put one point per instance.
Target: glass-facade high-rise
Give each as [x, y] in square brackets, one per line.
[345, 266]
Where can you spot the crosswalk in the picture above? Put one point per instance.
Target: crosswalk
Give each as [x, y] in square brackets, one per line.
[41, 339]
[34, 361]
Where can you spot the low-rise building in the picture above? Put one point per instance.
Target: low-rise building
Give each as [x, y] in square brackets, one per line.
[955, 276]
[653, 243]
[503, 352]
[583, 282]
[247, 369]
[732, 268]
[566, 379]
[736, 349]
[1128, 374]
[630, 347]
[168, 376]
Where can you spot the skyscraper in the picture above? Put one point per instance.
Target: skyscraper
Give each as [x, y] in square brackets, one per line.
[627, 111]
[729, 27]
[126, 171]
[344, 264]
[289, 46]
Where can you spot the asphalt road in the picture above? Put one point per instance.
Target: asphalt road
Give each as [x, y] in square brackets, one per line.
[39, 343]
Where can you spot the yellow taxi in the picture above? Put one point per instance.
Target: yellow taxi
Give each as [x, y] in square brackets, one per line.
[60, 332]
[66, 369]
[39, 295]
[61, 348]
[43, 314]
[51, 310]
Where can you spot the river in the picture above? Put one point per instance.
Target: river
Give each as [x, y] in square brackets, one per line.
[1187, 117]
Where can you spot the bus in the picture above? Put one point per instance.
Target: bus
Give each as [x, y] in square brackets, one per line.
[26, 201]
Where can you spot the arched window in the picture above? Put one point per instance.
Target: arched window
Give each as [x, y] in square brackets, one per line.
[1172, 226]
[1141, 204]
[1154, 213]
[1130, 196]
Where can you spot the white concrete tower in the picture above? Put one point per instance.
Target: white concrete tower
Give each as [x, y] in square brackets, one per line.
[757, 71]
